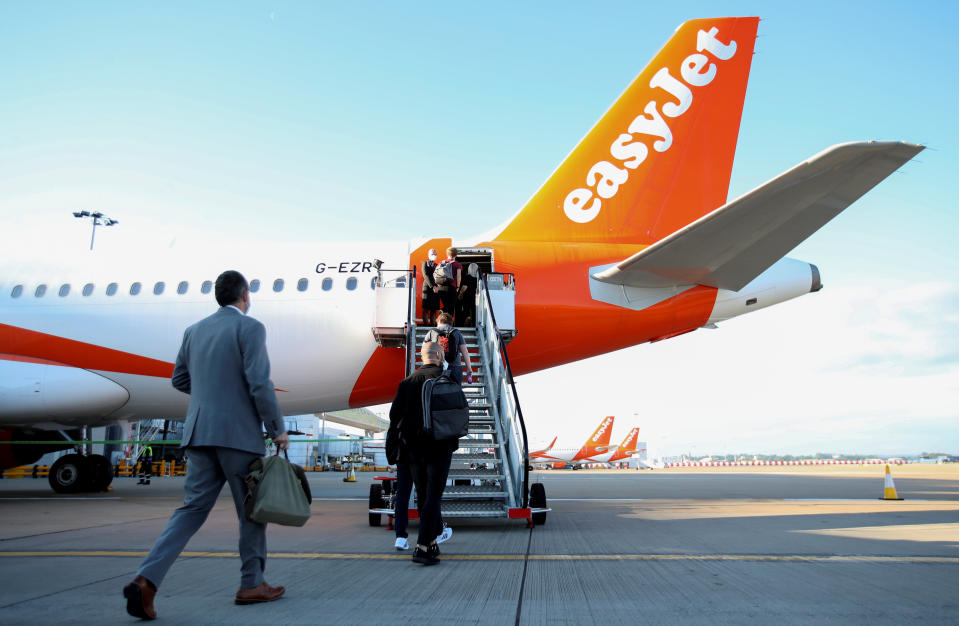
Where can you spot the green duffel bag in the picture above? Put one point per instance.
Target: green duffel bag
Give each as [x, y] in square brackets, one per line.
[277, 492]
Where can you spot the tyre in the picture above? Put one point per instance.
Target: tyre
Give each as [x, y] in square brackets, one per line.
[69, 474]
[537, 500]
[101, 472]
[376, 502]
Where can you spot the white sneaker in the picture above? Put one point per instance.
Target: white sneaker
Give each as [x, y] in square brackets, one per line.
[402, 543]
[446, 535]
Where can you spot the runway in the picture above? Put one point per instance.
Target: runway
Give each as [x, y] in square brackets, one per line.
[661, 546]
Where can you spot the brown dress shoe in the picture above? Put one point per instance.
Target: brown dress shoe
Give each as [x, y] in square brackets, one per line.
[261, 593]
[139, 595]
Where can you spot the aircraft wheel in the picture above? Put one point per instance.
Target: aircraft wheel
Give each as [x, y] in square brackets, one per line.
[537, 500]
[69, 474]
[376, 502]
[100, 472]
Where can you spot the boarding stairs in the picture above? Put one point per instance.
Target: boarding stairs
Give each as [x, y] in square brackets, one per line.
[489, 474]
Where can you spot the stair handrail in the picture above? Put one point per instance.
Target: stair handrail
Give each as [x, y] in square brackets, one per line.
[410, 323]
[501, 348]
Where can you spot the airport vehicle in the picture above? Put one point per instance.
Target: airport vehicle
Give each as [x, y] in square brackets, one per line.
[630, 240]
[598, 443]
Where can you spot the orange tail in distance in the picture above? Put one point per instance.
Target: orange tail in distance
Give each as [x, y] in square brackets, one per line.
[599, 441]
[661, 157]
[628, 446]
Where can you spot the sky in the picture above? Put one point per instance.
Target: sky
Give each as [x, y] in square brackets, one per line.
[244, 122]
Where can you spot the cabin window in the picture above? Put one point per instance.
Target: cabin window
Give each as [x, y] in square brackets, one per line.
[135, 289]
[182, 287]
[64, 290]
[16, 291]
[254, 285]
[88, 289]
[351, 283]
[206, 286]
[327, 284]
[41, 289]
[278, 285]
[158, 288]
[302, 284]
[111, 289]
[372, 283]
[751, 301]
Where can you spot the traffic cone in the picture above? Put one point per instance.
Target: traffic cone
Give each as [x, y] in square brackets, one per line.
[350, 475]
[889, 493]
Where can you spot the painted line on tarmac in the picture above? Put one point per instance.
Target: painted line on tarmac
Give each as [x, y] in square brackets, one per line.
[787, 558]
[54, 499]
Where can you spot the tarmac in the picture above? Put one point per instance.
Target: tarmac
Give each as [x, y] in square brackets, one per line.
[665, 546]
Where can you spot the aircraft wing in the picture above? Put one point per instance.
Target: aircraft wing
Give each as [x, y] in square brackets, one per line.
[740, 240]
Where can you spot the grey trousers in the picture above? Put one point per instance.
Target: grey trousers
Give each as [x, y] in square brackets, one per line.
[207, 469]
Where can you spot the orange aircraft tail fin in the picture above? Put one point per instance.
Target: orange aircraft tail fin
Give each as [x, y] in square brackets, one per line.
[598, 441]
[661, 157]
[628, 446]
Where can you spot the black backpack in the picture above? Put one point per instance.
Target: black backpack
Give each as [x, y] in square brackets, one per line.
[443, 274]
[447, 341]
[446, 414]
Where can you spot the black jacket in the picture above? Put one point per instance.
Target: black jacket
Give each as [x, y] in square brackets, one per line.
[428, 282]
[406, 416]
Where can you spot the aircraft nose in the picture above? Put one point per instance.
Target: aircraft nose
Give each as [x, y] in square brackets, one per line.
[816, 279]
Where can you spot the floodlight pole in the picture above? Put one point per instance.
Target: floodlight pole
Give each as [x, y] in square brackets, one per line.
[95, 215]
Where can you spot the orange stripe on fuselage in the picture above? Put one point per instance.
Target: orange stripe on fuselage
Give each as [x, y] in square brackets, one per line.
[42, 347]
[379, 378]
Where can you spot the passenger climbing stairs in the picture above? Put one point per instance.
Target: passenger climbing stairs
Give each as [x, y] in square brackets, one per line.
[489, 474]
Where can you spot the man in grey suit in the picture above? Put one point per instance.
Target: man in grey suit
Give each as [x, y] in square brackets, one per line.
[223, 366]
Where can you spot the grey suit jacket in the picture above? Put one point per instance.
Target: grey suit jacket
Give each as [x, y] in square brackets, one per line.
[223, 366]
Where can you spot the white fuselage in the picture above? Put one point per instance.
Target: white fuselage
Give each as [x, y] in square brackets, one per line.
[319, 338]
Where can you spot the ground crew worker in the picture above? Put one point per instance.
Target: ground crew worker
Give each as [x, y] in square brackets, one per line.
[146, 466]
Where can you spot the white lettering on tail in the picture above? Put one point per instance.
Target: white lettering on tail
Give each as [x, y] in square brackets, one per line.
[604, 178]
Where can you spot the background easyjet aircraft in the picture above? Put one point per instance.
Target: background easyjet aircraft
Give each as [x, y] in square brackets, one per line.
[598, 443]
[631, 237]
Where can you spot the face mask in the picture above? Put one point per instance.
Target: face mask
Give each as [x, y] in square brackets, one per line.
[432, 257]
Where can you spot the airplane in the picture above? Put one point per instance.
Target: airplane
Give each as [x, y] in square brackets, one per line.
[632, 237]
[624, 451]
[533, 453]
[598, 443]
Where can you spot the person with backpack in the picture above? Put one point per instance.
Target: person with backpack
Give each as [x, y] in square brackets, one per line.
[453, 345]
[430, 300]
[428, 457]
[448, 275]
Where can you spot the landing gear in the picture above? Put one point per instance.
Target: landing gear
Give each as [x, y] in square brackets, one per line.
[101, 472]
[537, 500]
[74, 473]
[67, 474]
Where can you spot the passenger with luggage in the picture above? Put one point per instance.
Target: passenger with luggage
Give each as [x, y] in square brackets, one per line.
[453, 345]
[448, 275]
[466, 297]
[430, 299]
[428, 415]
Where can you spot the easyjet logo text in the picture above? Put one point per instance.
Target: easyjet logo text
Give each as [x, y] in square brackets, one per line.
[602, 429]
[604, 178]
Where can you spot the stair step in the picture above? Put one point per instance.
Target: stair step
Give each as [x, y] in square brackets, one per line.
[476, 457]
[478, 443]
[473, 509]
[464, 492]
[478, 474]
